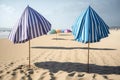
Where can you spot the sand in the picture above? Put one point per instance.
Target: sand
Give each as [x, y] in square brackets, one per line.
[61, 59]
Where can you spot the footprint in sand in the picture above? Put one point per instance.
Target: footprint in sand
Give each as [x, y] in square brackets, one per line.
[42, 76]
[11, 64]
[80, 76]
[94, 77]
[8, 72]
[22, 78]
[105, 77]
[49, 74]
[70, 76]
[1, 71]
[29, 77]
[1, 77]
[52, 76]
[13, 73]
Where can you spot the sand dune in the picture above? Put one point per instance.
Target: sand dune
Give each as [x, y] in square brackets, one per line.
[61, 58]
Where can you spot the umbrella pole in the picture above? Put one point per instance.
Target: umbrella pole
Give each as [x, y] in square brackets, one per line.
[56, 36]
[88, 56]
[29, 54]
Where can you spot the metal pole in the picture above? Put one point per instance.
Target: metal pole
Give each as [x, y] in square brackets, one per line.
[29, 55]
[88, 57]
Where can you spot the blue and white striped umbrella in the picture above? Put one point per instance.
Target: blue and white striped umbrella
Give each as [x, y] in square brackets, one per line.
[30, 25]
[90, 27]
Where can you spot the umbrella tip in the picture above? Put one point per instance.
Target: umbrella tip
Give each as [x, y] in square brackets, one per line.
[89, 6]
[27, 5]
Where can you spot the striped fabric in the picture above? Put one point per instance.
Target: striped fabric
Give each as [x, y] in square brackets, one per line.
[89, 27]
[30, 25]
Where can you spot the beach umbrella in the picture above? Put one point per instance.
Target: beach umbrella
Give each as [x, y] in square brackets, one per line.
[67, 31]
[58, 30]
[53, 31]
[89, 28]
[30, 25]
[62, 30]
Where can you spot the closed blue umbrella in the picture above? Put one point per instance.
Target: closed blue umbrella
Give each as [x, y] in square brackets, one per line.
[30, 25]
[89, 28]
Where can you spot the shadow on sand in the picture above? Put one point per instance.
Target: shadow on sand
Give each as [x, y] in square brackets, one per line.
[79, 67]
[58, 39]
[65, 34]
[69, 48]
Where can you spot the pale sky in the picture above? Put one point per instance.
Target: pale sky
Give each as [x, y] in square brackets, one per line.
[60, 13]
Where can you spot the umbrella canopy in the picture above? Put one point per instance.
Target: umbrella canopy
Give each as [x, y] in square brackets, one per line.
[30, 25]
[89, 27]
[62, 30]
[58, 31]
[53, 31]
[67, 31]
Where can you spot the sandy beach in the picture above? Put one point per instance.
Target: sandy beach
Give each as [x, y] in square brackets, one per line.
[59, 57]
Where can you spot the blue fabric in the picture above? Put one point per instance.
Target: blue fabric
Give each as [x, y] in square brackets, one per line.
[30, 25]
[89, 27]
